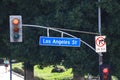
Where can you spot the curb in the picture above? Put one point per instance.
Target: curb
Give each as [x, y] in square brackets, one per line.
[18, 74]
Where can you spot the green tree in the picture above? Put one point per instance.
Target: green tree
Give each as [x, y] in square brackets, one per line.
[71, 14]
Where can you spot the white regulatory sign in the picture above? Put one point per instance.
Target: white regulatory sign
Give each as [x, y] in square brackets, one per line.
[100, 44]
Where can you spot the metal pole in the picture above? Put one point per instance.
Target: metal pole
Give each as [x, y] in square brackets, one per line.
[48, 28]
[25, 70]
[99, 17]
[99, 30]
[10, 66]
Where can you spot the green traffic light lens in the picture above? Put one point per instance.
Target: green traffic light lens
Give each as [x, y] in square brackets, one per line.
[16, 36]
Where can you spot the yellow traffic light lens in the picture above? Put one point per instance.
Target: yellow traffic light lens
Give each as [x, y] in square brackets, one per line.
[15, 21]
[16, 29]
[105, 77]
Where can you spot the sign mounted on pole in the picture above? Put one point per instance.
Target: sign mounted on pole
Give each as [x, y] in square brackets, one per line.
[100, 44]
[58, 41]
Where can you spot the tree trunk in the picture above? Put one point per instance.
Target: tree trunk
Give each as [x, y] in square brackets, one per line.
[29, 71]
[77, 77]
[77, 74]
[29, 75]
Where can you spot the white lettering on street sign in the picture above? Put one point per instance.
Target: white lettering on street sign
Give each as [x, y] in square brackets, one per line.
[58, 41]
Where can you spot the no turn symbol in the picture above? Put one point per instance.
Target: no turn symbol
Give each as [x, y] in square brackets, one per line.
[100, 41]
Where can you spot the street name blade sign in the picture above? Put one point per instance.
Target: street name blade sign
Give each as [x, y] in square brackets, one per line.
[59, 41]
[100, 44]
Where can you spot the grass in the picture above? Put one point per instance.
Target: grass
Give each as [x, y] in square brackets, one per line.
[47, 75]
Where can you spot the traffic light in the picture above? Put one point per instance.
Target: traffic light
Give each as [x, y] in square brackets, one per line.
[105, 72]
[15, 28]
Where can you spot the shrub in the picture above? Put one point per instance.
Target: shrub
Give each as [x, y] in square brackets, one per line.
[37, 78]
[58, 69]
[69, 78]
[19, 71]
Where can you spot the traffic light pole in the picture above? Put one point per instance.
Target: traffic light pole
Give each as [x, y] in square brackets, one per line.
[99, 30]
[10, 66]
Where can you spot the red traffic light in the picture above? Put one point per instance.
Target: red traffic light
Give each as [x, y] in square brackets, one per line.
[15, 21]
[105, 70]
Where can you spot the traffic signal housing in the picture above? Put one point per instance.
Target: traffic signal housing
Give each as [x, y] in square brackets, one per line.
[105, 72]
[15, 28]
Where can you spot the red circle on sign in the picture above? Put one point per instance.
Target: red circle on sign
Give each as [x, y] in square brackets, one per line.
[100, 41]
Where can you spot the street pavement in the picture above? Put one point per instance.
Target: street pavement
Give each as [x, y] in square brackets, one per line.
[6, 75]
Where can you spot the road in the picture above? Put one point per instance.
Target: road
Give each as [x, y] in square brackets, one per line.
[6, 75]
